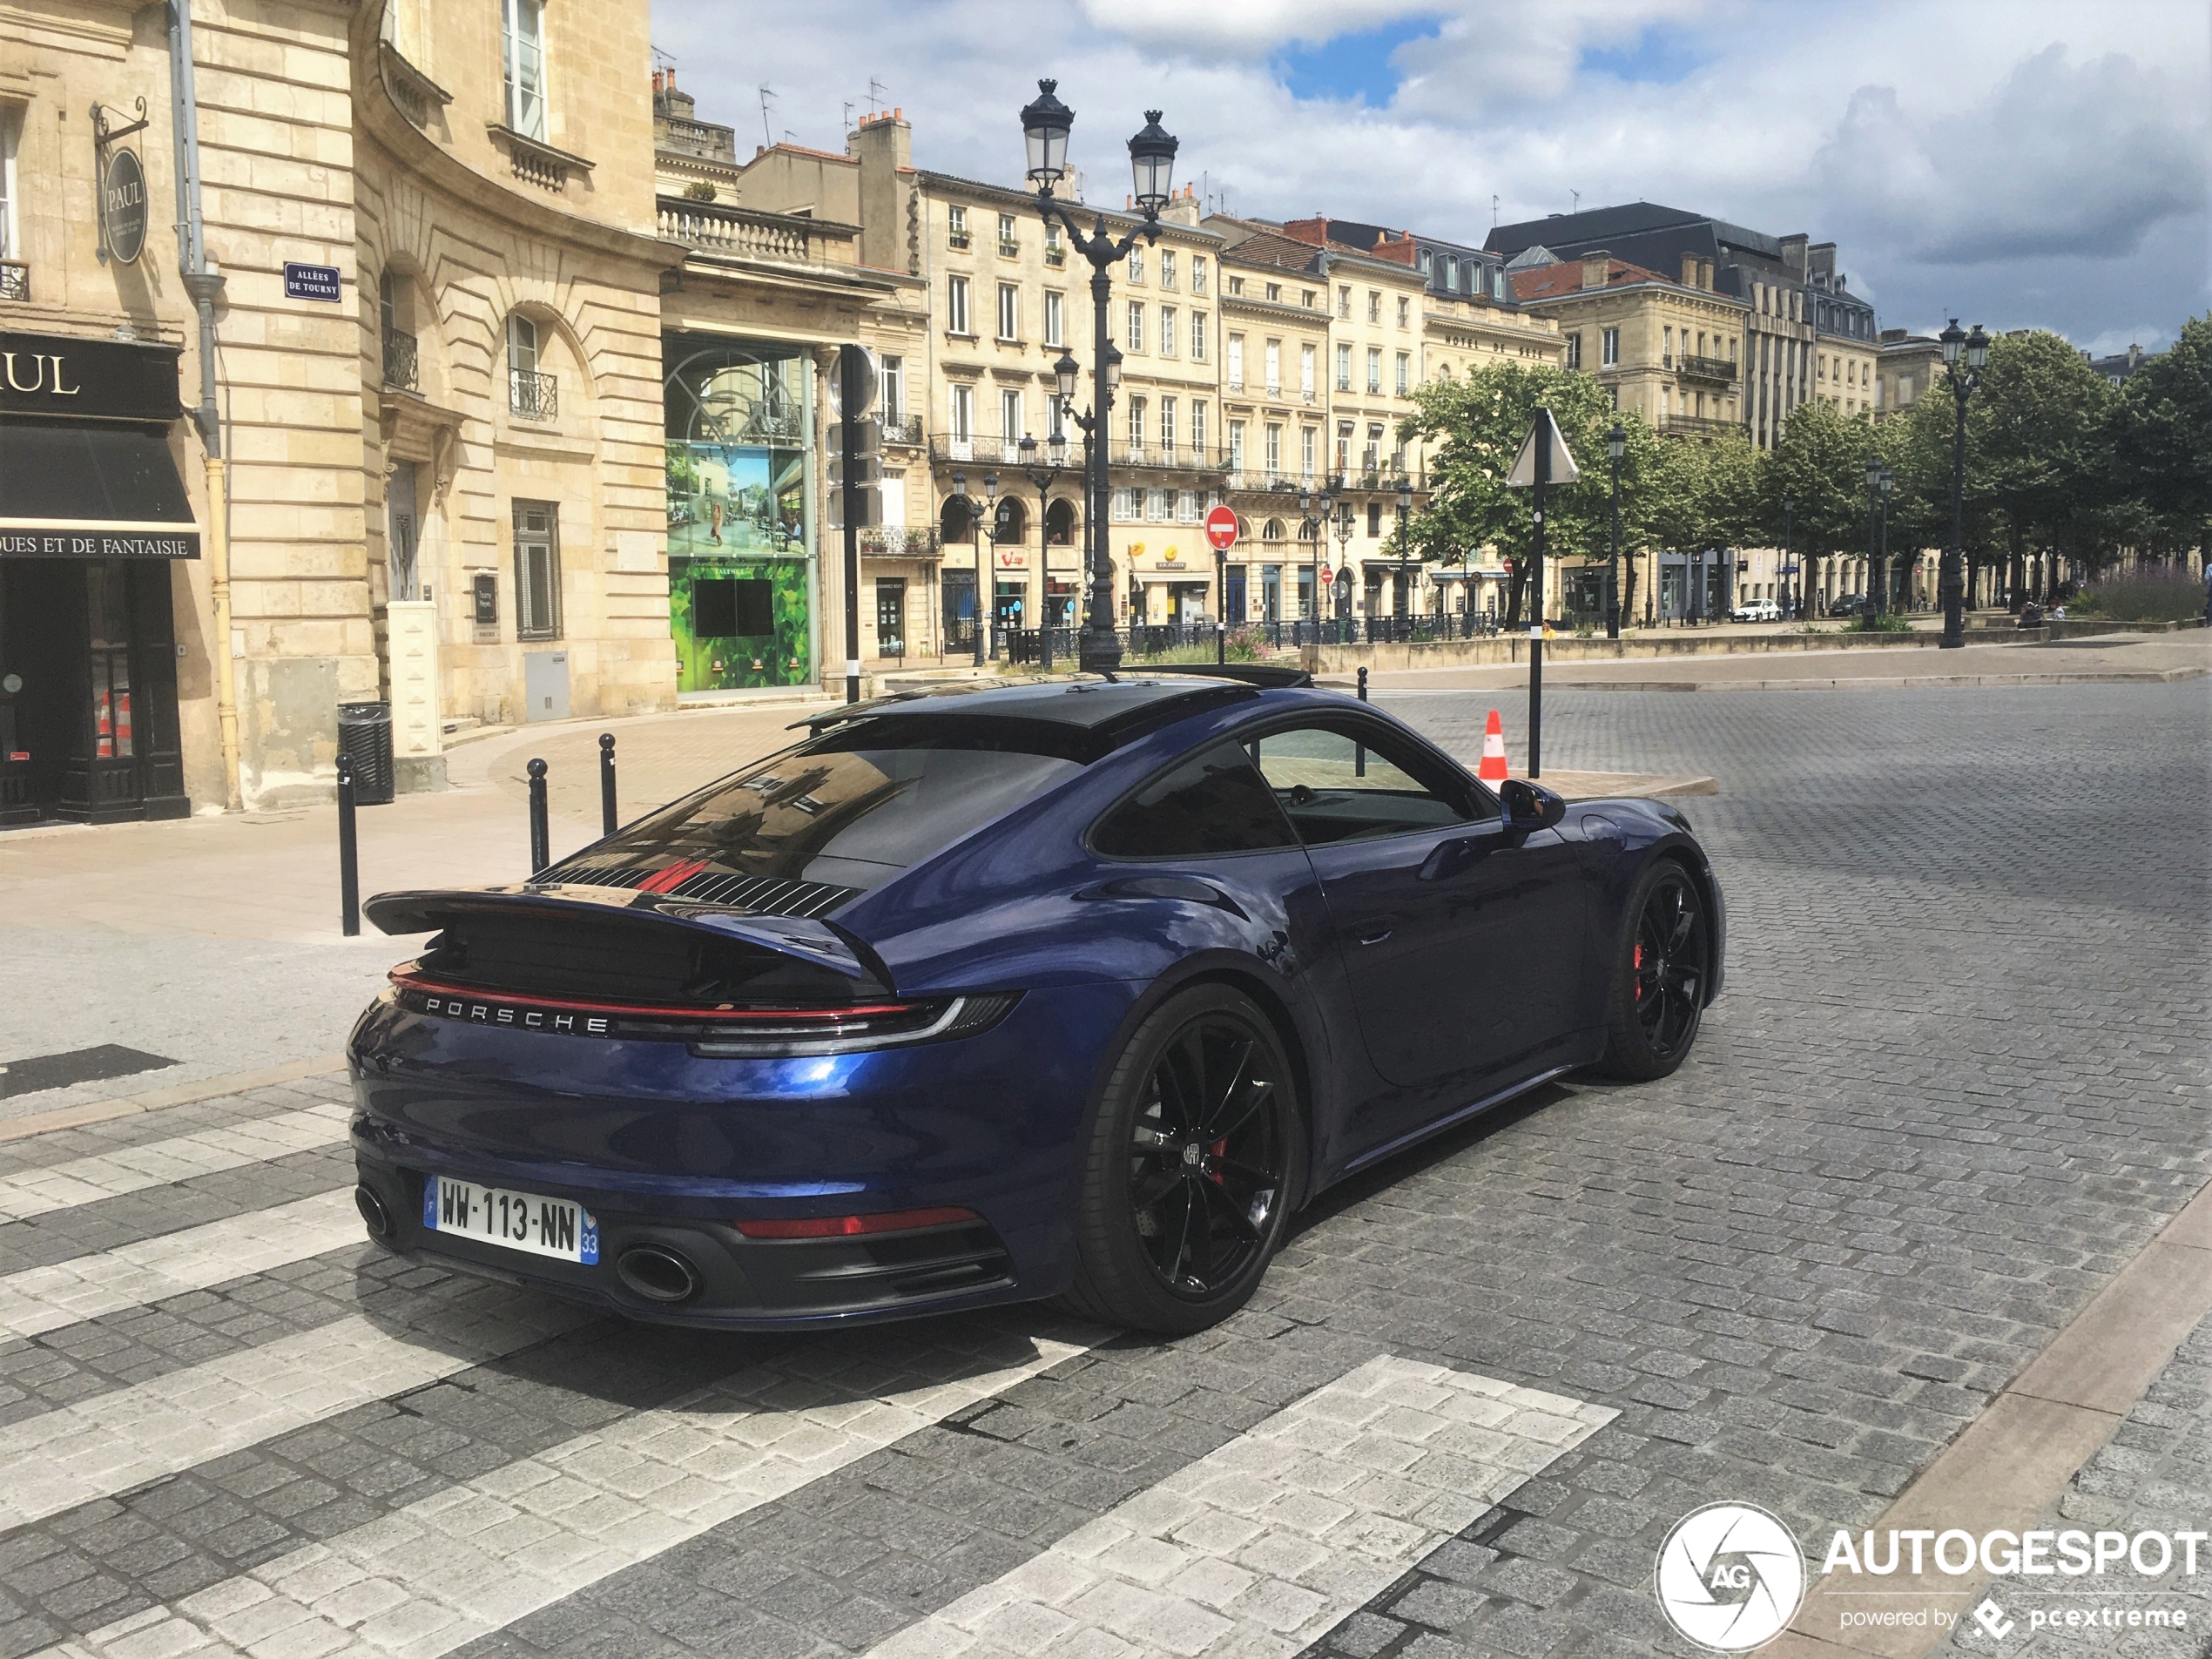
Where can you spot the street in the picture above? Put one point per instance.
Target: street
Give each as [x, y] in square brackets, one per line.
[1956, 1083]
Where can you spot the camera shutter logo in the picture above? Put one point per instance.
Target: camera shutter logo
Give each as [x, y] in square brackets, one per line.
[1730, 1576]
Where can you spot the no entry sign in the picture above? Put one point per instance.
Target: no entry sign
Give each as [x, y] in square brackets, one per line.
[1220, 530]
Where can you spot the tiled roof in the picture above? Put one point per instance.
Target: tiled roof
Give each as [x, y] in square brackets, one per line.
[1558, 281]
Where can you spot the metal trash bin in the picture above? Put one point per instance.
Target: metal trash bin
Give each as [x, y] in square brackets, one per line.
[364, 736]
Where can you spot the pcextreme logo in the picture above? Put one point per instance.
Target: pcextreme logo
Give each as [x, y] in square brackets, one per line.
[1729, 1576]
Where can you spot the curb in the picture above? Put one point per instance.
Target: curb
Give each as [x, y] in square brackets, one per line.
[103, 1111]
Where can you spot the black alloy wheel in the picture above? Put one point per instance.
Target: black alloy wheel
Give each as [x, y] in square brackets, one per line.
[1194, 1161]
[1659, 987]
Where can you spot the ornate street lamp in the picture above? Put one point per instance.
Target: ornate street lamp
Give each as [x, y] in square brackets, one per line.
[981, 517]
[1405, 578]
[1974, 349]
[1045, 125]
[1044, 477]
[1310, 533]
[1616, 445]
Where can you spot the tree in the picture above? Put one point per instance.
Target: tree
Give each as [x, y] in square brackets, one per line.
[1473, 428]
[2161, 444]
[2038, 434]
[1818, 467]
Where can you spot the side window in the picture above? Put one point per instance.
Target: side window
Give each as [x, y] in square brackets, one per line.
[1212, 803]
[1343, 783]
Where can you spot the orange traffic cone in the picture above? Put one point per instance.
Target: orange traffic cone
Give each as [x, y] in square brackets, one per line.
[1493, 770]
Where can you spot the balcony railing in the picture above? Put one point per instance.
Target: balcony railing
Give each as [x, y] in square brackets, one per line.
[1183, 457]
[957, 239]
[401, 365]
[1708, 368]
[885, 542]
[1696, 426]
[902, 429]
[724, 229]
[15, 281]
[533, 397]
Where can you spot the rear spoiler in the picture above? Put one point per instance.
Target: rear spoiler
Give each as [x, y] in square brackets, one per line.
[809, 939]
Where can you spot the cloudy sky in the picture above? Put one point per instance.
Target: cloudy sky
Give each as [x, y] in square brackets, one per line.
[2014, 162]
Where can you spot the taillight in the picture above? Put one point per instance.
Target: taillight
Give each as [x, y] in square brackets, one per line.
[886, 1221]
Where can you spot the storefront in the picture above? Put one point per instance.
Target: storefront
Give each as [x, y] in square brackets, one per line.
[92, 510]
[742, 585]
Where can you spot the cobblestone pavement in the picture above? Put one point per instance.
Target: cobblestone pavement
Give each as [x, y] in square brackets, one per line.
[1958, 1077]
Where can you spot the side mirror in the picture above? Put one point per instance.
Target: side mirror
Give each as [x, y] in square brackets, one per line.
[1529, 807]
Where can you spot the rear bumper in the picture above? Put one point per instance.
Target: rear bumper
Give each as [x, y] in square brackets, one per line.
[670, 1150]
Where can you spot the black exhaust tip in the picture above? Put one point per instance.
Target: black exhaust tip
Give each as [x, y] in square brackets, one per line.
[372, 1211]
[658, 1273]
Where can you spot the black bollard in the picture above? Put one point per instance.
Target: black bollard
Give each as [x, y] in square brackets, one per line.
[1362, 686]
[349, 875]
[607, 783]
[540, 838]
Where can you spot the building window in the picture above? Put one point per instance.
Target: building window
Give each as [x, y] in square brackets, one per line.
[1055, 252]
[1343, 365]
[1609, 348]
[1137, 263]
[1137, 426]
[1198, 429]
[1135, 326]
[1055, 309]
[956, 305]
[1427, 260]
[963, 414]
[1236, 446]
[1167, 331]
[524, 22]
[529, 394]
[1667, 347]
[1010, 416]
[1009, 312]
[1235, 285]
[1274, 451]
[1197, 336]
[1344, 446]
[1405, 373]
[1159, 506]
[1167, 268]
[957, 225]
[1374, 305]
[1197, 275]
[1404, 312]
[537, 571]
[1305, 453]
[1374, 369]
[1305, 371]
[1450, 276]
[1274, 359]
[1124, 509]
[893, 381]
[1344, 303]
[10, 138]
[1573, 351]
[1009, 245]
[1374, 519]
[1236, 362]
[1167, 428]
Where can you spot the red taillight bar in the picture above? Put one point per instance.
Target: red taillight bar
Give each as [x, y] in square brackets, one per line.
[886, 1221]
[417, 982]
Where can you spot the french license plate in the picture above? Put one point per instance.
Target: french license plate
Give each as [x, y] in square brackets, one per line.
[522, 1221]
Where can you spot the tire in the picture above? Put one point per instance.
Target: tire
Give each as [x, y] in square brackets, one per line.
[1659, 976]
[1175, 1224]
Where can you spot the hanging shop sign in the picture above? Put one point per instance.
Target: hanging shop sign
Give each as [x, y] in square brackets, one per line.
[122, 206]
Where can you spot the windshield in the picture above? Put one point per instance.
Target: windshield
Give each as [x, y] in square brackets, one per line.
[848, 809]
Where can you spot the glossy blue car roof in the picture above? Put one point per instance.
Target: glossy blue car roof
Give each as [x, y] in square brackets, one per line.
[1084, 703]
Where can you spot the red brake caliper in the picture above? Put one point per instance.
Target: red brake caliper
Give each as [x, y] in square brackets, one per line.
[1219, 1148]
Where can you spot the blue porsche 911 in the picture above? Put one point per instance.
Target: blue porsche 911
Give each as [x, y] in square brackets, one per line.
[1071, 988]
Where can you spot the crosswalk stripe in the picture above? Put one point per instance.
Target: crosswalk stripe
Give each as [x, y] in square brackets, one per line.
[124, 1438]
[463, 1563]
[39, 1299]
[1261, 1547]
[133, 1169]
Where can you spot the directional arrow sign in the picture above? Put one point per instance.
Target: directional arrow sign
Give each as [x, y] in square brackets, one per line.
[1563, 470]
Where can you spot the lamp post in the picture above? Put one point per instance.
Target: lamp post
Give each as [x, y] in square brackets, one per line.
[1045, 123]
[981, 516]
[1974, 349]
[1616, 445]
[1791, 565]
[1310, 532]
[1887, 479]
[1344, 553]
[1870, 601]
[1405, 575]
[1044, 477]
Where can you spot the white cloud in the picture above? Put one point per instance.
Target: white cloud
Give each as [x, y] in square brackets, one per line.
[2025, 161]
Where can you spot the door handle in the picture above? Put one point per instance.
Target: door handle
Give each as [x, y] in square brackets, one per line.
[1374, 933]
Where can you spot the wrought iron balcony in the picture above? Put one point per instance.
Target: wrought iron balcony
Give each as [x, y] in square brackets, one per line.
[15, 281]
[533, 397]
[1696, 426]
[1707, 368]
[889, 542]
[902, 429]
[401, 365]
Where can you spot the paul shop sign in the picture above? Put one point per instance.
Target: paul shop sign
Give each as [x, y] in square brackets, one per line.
[55, 376]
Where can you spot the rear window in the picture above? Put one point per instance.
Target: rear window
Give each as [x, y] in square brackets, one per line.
[849, 809]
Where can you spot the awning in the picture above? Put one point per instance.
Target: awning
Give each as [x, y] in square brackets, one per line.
[91, 492]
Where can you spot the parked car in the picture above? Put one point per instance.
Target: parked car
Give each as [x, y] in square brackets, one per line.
[987, 995]
[1847, 604]
[1756, 611]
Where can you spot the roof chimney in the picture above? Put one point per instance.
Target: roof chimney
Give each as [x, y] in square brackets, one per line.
[1596, 269]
